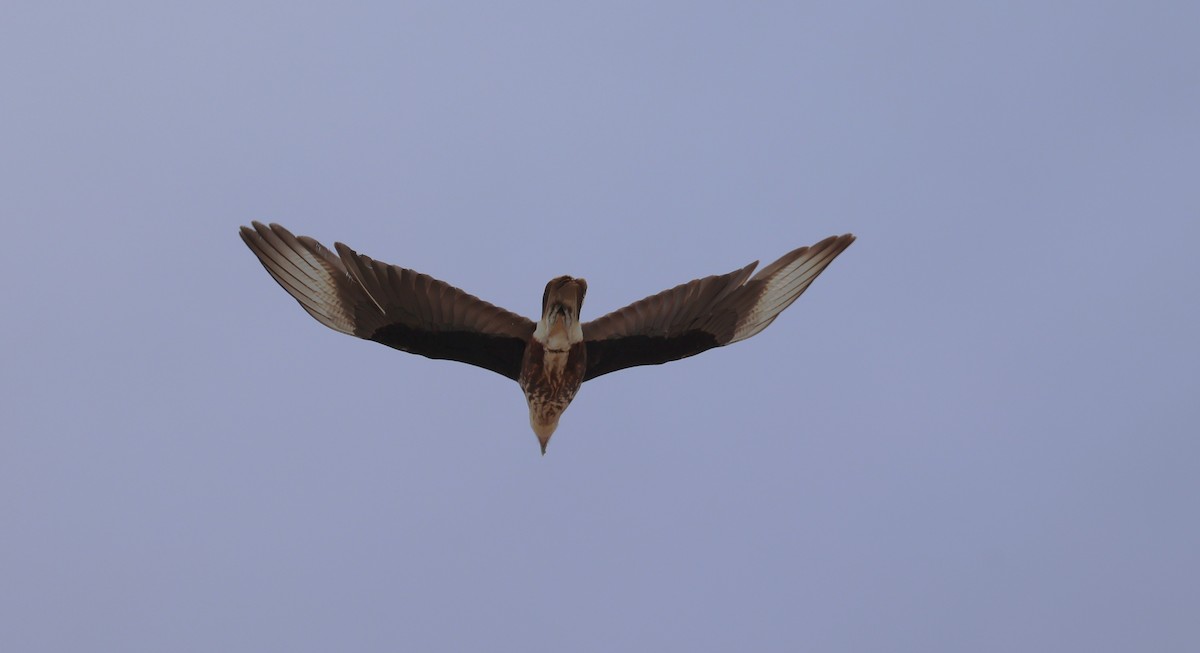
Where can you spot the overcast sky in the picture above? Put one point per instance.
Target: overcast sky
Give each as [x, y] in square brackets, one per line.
[977, 431]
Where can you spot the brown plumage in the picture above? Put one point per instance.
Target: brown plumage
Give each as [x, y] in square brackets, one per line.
[550, 358]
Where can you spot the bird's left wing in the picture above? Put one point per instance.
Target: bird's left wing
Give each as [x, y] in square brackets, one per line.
[395, 306]
[705, 313]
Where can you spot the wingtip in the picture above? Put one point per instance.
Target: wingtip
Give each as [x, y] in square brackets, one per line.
[257, 229]
[841, 241]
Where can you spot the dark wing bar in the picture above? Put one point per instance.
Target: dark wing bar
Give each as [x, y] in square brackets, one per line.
[671, 325]
[394, 306]
[705, 313]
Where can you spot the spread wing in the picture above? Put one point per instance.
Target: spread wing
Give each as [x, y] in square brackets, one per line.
[705, 313]
[400, 308]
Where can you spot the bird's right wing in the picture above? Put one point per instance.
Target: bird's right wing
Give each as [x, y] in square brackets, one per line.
[395, 306]
[705, 313]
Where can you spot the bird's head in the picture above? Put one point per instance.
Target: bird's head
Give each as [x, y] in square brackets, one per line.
[559, 327]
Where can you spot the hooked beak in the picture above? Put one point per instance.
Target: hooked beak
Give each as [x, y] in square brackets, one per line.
[560, 312]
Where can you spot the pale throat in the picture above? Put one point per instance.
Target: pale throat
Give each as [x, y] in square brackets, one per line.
[558, 330]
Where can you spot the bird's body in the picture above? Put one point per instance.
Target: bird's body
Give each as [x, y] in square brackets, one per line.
[553, 357]
[550, 381]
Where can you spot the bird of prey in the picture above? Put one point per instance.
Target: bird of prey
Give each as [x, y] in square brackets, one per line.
[551, 358]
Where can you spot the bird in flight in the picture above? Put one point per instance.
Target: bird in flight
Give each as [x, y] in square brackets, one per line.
[551, 358]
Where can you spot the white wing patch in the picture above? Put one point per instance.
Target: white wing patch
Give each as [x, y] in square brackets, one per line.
[306, 270]
[786, 280]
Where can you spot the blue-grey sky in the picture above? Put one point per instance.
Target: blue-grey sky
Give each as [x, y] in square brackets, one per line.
[976, 431]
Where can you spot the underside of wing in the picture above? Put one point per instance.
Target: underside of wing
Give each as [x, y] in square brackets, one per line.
[395, 306]
[705, 313]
